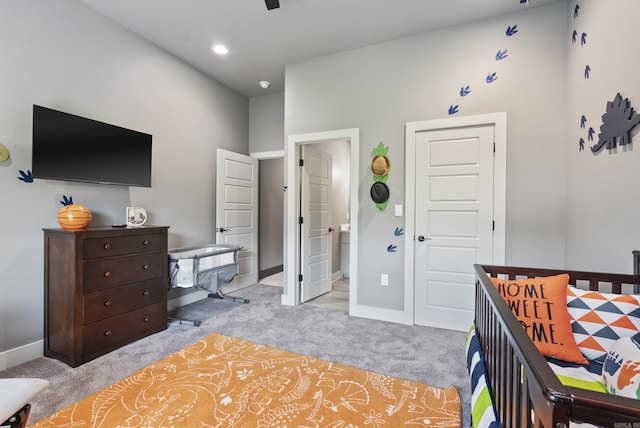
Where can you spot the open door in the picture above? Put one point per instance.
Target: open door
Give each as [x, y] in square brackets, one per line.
[237, 211]
[315, 224]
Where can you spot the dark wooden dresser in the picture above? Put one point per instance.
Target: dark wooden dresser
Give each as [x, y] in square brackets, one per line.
[104, 287]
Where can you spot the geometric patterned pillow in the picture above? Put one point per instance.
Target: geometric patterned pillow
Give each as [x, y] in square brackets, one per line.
[599, 319]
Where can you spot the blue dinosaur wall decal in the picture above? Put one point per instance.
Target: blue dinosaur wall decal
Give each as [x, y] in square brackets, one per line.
[617, 122]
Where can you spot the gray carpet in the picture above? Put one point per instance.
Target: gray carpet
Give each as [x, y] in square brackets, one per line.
[428, 355]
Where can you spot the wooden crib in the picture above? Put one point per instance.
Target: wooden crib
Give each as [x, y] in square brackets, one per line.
[525, 390]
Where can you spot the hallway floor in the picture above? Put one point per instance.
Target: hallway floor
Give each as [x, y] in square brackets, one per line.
[337, 299]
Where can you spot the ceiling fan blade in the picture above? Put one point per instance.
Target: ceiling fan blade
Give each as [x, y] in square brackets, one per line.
[272, 4]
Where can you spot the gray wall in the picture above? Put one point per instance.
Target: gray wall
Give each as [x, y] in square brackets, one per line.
[266, 123]
[603, 225]
[266, 134]
[65, 56]
[271, 214]
[564, 207]
[380, 88]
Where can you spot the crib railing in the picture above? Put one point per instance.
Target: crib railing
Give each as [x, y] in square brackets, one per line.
[522, 383]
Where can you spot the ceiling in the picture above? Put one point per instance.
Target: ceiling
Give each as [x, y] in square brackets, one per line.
[261, 42]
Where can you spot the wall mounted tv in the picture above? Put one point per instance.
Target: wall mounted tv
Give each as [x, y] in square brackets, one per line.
[73, 148]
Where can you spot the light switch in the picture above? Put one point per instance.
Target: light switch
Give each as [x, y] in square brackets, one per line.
[398, 210]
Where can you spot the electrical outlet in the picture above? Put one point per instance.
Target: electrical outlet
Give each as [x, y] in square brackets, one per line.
[384, 279]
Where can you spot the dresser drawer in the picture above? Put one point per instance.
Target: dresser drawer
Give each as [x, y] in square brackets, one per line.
[115, 301]
[109, 273]
[111, 246]
[111, 333]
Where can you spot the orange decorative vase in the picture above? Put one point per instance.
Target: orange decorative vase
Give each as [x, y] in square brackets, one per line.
[74, 217]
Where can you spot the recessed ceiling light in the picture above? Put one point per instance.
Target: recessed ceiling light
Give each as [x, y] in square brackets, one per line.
[264, 84]
[220, 49]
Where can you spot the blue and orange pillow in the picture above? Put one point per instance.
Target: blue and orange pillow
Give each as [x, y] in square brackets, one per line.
[599, 319]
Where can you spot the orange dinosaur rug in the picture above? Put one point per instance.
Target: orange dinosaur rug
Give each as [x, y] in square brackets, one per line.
[222, 381]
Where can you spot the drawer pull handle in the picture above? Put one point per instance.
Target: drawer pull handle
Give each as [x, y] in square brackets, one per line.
[145, 267]
[107, 246]
[107, 333]
[145, 293]
[107, 274]
[146, 242]
[146, 319]
[107, 303]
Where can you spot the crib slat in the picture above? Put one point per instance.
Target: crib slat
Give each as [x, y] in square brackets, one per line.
[616, 287]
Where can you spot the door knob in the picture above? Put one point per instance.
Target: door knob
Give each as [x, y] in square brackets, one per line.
[331, 229]
[421, 238]
[222, 229]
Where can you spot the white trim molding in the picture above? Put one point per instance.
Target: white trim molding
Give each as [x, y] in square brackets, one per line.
[291, 289]
[21, 354]
[276, 154]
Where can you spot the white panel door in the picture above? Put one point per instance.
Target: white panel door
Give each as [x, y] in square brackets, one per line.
[454, 222]
[237, 211]
[316, 224]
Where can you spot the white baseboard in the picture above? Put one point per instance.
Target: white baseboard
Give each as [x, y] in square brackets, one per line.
[22, 354]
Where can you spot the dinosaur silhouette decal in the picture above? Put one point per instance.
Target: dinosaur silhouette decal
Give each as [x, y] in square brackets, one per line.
[617, 123]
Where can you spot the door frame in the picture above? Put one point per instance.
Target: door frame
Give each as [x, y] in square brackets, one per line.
[291, 288]
[499, 122]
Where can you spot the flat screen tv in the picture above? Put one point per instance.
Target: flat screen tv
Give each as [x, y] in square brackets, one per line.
[74, 148]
